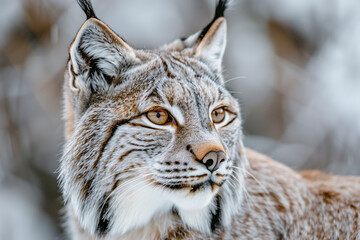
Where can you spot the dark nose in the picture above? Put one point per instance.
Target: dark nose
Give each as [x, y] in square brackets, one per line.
[213, 159]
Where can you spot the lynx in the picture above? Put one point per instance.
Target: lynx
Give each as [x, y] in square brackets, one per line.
[154, 150]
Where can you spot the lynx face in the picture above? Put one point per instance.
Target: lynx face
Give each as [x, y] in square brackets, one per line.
[149, 133]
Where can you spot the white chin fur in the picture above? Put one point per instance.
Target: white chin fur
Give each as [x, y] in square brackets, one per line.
[192, 201]
[138, 207]
[194, 209]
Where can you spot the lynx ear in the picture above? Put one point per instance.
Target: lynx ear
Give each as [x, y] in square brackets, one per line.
[211, 43]
[210, 49]
[208, 44]
[97, 56]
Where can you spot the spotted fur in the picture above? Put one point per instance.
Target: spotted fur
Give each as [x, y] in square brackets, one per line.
[124, 177]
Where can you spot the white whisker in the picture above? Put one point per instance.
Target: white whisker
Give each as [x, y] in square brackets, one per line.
[235, 78]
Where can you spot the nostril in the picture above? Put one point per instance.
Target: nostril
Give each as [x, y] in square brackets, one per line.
[209, 163]
[212, 160]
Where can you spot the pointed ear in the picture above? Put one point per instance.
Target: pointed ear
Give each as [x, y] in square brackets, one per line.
[97, 55]
[210, 49]
[209, 44]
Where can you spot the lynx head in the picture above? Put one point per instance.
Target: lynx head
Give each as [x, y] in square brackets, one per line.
[149, 133]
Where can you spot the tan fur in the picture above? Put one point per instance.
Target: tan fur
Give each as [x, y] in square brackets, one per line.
[307, 205]
[69, 113]
[202, 149]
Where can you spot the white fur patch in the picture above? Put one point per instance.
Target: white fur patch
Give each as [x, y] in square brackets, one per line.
[136, 206]
[177, 114]
[191, 201]
[197, 219]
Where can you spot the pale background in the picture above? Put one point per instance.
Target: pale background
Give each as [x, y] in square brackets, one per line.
[293, 65]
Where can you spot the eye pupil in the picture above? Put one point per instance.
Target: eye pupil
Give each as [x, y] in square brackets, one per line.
[218, 115]
[159, 117]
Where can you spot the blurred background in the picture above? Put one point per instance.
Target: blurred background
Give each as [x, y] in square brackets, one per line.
[294, 66]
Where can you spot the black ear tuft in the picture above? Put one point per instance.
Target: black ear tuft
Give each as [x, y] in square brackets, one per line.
[87, 7]
[219, 12]
[220, 9]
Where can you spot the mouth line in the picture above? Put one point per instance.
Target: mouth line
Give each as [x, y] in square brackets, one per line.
[209, 183]
[193, 187]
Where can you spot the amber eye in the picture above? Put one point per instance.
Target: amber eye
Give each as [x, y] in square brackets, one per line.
[159, 117]
[218, 115]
